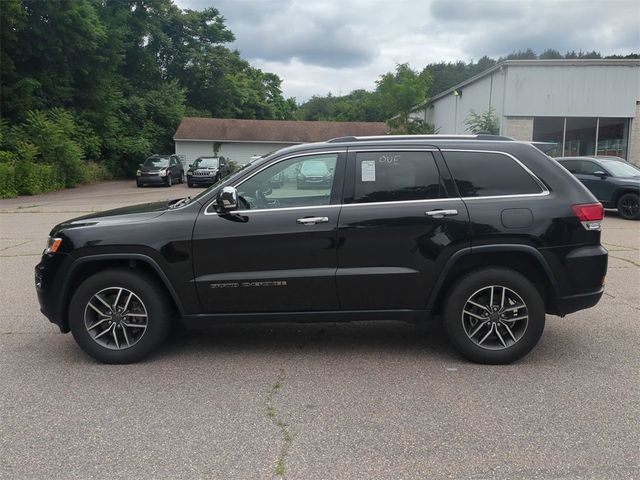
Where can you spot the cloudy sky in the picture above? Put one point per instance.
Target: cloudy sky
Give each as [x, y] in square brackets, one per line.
[321, 46]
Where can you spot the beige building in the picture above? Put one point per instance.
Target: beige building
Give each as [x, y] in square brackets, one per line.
[586, 107]
[240, 140]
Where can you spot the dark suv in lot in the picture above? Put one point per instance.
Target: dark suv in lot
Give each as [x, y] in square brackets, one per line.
[485, 233]
[614, 182]
[206, 171]
[160, 170]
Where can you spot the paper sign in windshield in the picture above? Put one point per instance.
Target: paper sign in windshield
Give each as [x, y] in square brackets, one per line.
[368, 171]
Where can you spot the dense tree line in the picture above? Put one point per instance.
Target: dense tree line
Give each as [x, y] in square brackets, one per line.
[117, 76]
[371, 106]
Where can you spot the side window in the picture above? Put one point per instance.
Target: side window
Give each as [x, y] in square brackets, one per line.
[297, 182]
[590, 168]
[396, 176]
[483, 174]
[572, 165]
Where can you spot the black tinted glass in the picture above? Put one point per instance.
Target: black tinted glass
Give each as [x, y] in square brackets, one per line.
[591, 167]
[396, 176]
[481, 174]
[572, 165]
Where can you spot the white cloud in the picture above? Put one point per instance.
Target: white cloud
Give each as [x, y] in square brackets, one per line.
[337, 46]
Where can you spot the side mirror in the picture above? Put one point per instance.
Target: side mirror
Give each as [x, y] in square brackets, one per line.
[190, 165]
[227, 198]
[601, 174]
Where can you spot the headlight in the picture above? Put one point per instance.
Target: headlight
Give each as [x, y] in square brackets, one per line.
[189, 173]
[53, 243]
[163, 173]
[138, 173]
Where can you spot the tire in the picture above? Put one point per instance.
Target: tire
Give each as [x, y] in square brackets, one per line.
[181, 178]
[148, 297]
[504, 336]
[168, 182]
[629, 206]
[139, 185]
[189, 184]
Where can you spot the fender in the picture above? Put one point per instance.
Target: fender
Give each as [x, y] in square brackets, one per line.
[121, 256]
[498, 248]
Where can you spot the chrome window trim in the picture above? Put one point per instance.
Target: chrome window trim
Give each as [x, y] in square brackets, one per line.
[543, 188]
[286, 157]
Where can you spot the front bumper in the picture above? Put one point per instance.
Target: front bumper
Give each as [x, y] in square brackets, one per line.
[151, 179]
[49, 288]
[200, 180]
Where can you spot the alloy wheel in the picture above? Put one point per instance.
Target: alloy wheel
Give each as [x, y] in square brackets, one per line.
[495, 317]
[115, 318]
[630, 206]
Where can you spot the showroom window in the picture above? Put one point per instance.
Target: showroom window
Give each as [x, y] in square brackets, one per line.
[577, 136]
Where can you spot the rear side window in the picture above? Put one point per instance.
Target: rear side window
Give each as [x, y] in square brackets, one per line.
[483, 174]
[396, 176]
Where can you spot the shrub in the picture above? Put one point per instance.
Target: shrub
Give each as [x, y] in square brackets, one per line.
[7, 180]
[33, 178]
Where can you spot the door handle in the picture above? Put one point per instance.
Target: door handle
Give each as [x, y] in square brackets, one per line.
[312, 220]
[441, 213]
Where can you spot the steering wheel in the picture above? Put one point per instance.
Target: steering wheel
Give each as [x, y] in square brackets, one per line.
[261, 199]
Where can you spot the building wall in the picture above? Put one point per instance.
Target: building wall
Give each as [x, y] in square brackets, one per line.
[633, 154]
[547, 90]
[572, 91]
[520, 128]
[240, 152]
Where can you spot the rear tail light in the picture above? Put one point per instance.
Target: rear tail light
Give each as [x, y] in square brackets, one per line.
[590, 214]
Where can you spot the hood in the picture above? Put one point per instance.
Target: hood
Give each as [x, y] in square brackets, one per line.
[131, 214]
[151, 169]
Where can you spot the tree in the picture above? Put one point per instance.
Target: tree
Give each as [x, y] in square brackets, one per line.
[400, 92]
[485, 122]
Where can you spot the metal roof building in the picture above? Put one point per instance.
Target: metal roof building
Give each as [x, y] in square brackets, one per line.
[587, 107]
[239, 140]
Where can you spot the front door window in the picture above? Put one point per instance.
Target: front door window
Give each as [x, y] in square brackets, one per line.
[297, 182]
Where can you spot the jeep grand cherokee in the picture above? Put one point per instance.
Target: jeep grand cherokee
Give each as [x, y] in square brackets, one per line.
[485, 233]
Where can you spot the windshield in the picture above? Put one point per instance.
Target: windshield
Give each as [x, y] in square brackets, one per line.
[206, 163]
[620, 169]
[156, 162]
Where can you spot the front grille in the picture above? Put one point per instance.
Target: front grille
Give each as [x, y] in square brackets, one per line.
[201, 173]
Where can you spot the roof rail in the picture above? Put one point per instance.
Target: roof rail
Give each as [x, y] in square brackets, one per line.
[481, 136]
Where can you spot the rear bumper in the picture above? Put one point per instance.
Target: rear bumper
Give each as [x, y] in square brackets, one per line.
[580, 274]
[573, 303]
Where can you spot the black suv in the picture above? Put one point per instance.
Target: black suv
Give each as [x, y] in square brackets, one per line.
[160, 170]
[486, 233]
[206, 171]
[613, 181]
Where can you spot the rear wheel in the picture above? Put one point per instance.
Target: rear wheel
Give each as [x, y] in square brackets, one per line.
[629, 206]
[119, 316]
[494, 316]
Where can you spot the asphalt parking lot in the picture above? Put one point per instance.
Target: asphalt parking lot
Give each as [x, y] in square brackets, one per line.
[348, 401]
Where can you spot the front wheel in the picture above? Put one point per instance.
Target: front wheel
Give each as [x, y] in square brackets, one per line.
[168, 182]
[494, 316]
[629, 206]
[119, 316]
